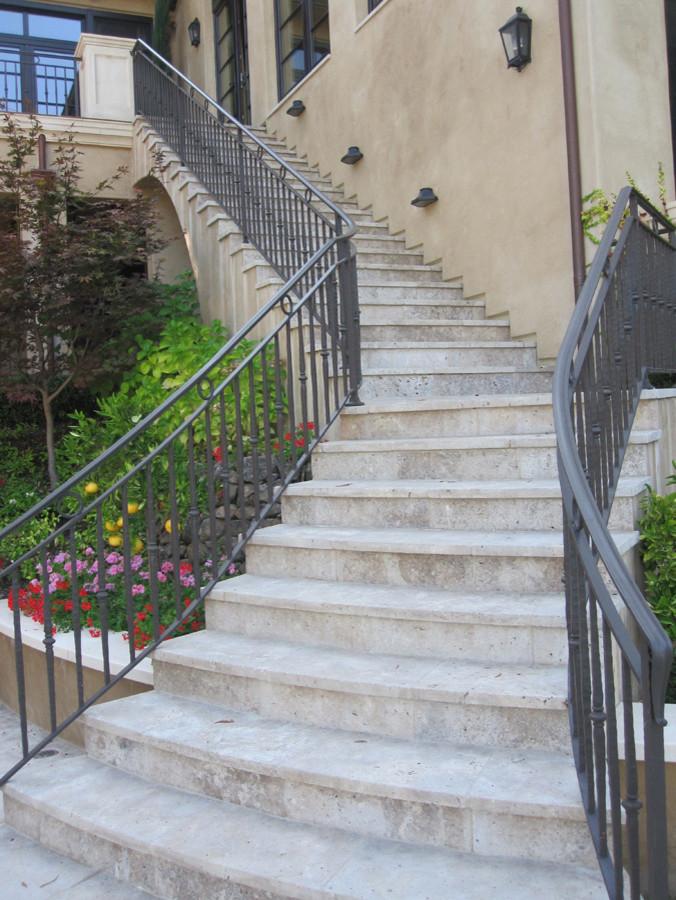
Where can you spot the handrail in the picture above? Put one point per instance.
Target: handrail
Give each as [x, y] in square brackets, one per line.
[296, 379]
[624, 326]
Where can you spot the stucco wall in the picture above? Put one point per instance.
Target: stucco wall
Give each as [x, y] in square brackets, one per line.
[422, 87]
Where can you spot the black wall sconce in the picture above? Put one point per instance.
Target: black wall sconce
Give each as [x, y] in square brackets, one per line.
[195, 32]
[352, 156]
[516, 39]
[425, 198]
[296, 109]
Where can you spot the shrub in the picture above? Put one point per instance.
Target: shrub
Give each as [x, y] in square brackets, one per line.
[658, 552]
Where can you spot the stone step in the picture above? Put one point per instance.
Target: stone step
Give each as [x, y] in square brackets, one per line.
[449, 417]
[398, 274]
[370, 256]
[422, 356]
[383, 302]
[485, 801]
[395, 383]
[474, 457]
[478, 505]
[432, 698]
[443, 330]
[378, 241]
[184, 846]
[515, 628]
[500, 561]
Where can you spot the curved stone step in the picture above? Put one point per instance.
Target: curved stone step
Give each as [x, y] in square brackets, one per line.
[183, 846]
[500, 561]
[508, 456]
[515, 628]
[477, 505]
[485, 801]
[403, 382]
[435, 699]
[431, 356]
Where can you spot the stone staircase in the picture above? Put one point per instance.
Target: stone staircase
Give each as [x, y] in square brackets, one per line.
[377, 709]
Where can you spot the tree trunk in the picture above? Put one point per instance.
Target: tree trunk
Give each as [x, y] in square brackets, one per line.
[49, 439]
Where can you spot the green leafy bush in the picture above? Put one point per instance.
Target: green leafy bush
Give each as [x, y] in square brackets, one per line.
[185, 344]
[658, 552]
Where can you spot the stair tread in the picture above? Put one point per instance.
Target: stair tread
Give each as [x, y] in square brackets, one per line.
[419, 603]
[407, 540]
[245, 846]
[325, 668]
[527, 782]
[628, 486]
[475, 401]
[496, 441]
[398, 345]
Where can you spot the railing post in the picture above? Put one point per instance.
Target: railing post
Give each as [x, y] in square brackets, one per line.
[347, 278]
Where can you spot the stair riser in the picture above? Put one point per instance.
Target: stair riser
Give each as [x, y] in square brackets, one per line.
[429, 358]
[144, 864]
[485, 463]
[460, 422]
[398, 257]
[414, 718]
[423, 332]
[387, 274]
[402, 386]
[413, 637]
[461, 571]
[295, 795]
[377, 242]
[477, 513]
[372, 291]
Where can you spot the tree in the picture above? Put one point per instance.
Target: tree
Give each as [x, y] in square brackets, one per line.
[73, 285]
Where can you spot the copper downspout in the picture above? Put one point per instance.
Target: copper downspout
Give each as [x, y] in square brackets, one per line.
[572, 144]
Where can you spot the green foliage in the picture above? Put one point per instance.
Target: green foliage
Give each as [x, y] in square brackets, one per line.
[184, 345]
[22, 483]
[161, 28]
[599, 206]
[658, 552]
[73, 285]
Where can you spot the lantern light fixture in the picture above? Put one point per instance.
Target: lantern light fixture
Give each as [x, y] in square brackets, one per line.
[195, 32]
[352, 156]
[425, 198]
[296, 109]
[516, 39]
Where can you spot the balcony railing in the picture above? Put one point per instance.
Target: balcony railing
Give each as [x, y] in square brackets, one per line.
[39, 82]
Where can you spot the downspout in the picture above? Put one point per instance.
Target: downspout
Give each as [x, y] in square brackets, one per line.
[572, 144]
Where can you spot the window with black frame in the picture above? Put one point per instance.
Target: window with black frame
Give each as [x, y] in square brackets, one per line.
[373, 4]
[302, 39]
[38, 72]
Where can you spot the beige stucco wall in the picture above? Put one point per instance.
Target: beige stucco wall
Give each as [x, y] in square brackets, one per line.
[623, 94]
[198, 63]
[104, 146]
[424, 91]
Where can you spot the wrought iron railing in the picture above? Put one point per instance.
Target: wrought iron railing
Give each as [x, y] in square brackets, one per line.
[624, 326]
[40, 82]
[189, 487]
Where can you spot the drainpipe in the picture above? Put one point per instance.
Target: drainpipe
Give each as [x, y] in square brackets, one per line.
[572, 144]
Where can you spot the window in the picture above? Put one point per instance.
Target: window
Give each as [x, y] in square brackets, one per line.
[373, 4]
[37, 42]
[302, 39]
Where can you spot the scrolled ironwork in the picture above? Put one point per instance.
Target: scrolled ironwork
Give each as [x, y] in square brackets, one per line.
[182, 500]
[624, 327]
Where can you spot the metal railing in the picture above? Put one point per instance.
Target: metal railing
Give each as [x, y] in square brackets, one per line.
[623, 327]
[189, 486]
[40, 82]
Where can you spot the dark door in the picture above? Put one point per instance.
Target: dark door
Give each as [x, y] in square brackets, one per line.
[231, 57]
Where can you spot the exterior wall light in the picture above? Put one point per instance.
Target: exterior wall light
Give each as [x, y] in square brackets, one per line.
[352, 156]
[425, 198]
[516, 39]
[296, 109]
[195, 32]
